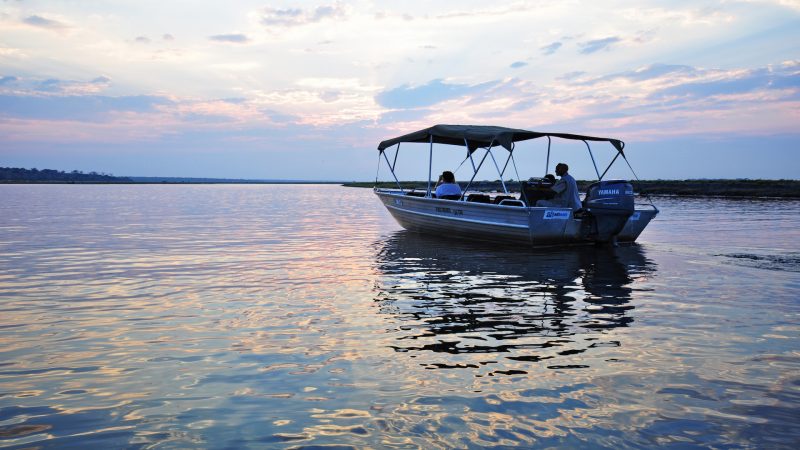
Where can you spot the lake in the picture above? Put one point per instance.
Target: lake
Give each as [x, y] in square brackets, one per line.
[303, 316]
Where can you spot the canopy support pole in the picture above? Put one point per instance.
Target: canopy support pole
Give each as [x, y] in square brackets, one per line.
[462, 163]
[498, 170]
[469, 156]
[378, 170]
[505, 166]
[592, 156]
[640, 182]
[469, 153]
[547, 164]
[514, 162]
[430, 168]
[396, 152]
[391, 169]
[609, 166]
[476, 171]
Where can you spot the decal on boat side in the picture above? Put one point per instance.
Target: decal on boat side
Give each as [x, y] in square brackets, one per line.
[398, 202]
[635, 216]
[557, 214]
[455, 212]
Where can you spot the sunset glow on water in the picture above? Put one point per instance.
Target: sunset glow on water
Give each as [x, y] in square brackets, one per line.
[230, 316]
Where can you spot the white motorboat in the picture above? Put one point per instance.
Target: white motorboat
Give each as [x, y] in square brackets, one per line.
[608, 213]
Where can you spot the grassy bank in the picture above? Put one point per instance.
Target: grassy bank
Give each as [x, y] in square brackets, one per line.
[688, 188]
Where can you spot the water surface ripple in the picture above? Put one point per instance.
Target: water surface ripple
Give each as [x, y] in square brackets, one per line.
[256, 316]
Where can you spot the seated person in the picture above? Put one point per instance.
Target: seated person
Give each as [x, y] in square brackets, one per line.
[566, 191]
[447, 187]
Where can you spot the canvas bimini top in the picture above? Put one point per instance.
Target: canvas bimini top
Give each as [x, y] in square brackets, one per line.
[481, 136]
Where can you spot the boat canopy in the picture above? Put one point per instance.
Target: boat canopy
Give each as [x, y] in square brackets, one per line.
[480, 136]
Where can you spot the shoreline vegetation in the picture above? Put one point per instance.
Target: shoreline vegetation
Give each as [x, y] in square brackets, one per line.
[734, 188]
[20, 175]
[737, 188]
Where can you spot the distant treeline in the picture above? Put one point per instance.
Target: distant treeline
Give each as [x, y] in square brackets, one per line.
[719, 188]
[20, 175]
[715, 188]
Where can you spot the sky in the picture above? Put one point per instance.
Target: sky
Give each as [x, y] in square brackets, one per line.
[307, 89]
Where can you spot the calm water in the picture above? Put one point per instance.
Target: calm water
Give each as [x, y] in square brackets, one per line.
[303, 316]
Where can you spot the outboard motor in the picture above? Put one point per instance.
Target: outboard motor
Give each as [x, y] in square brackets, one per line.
[607, 207]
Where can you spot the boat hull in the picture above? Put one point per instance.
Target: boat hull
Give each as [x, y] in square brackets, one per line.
[537, 226]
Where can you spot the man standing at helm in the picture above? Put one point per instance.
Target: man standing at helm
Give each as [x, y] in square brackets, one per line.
[566, 190]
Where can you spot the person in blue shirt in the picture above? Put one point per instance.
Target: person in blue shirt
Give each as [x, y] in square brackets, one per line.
[447, 187]
[566, 190]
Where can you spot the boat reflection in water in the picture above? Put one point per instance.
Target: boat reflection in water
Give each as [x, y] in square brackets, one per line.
[476, 305]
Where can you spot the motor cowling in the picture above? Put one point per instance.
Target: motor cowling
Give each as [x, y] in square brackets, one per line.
[607, 207]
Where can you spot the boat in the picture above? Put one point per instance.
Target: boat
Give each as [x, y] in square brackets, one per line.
[608, 213]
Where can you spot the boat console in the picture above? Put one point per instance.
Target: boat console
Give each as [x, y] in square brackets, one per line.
[536, 189]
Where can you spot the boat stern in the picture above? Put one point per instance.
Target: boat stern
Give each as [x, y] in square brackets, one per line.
[636, 223]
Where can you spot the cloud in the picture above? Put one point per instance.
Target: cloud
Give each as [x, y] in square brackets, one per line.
[168, 37]
[330, 11]
[15, 53]
[650, 72]
[52, 86]
[285, 17]
[571, 75]
[670, 100]
[234, 100]
[518, 64]
[525, 105]
[598, 44]
[491, 12]
[290, 17]
[433, 92]
[656, 71]
[501, 92]
[234, 38]
[750, 81]
[278, 117]
[648, 102]
[330, 96]
[551, 48]
[75, 107]
[42, 22]
[142, 39]
[405, 115]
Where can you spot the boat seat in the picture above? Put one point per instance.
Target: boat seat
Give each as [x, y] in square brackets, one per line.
[500, 198]
[450, 197]
[479, 198]
[512, 202]
[416, 194]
